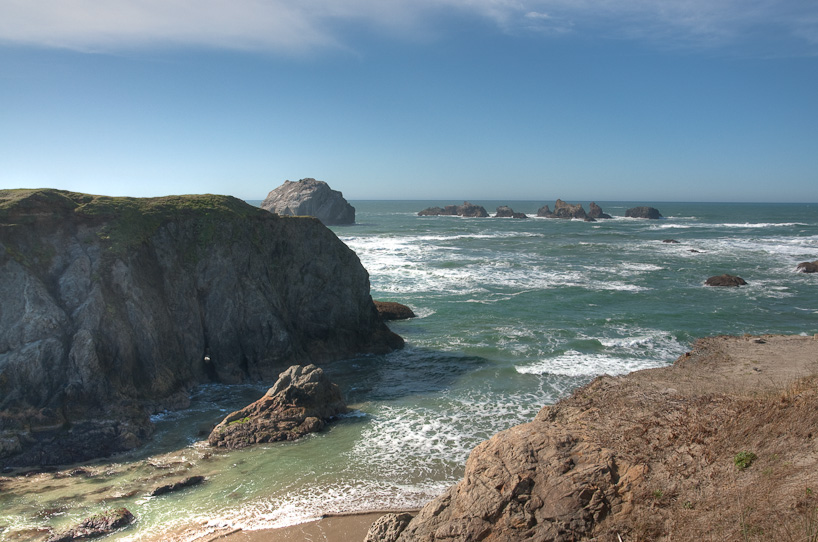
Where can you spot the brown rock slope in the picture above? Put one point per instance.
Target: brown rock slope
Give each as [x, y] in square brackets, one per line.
[720, 446]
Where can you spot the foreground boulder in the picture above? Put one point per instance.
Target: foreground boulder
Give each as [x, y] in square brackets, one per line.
[309, 197]
[113, 308]
[725, 280]
[643, 212]
[300, 402]
[659, 454]
[96, 526]
[807, 267]
[390, 310]
[468, 210]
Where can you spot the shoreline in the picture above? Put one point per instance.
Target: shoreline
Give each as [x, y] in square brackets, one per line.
[342, 527]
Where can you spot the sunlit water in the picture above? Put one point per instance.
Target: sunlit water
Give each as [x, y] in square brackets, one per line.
[513, 315]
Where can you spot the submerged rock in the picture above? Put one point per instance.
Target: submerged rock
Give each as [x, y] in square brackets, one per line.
[390, 310]
[300, 402]
[807, 267]
[96, 526]
[113, 308]
[176, 486]
[309, 197]
[643, 212]
[725, 280]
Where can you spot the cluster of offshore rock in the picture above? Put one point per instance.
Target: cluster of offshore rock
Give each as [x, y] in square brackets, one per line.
[561, 210]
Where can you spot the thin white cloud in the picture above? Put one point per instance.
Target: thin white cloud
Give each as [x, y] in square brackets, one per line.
[303, 25]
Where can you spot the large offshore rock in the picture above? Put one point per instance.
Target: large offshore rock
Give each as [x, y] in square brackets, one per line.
[643, 212]
[112, 308]
[468, 210]
[301, 401]
[309, 197]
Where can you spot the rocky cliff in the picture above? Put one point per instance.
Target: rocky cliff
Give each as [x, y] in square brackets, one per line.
[309, 197]
[719, 446]
[112, 308]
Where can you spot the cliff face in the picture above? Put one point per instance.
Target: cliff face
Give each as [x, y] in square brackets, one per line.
[113, 307]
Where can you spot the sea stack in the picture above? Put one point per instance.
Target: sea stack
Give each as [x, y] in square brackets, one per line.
[309, 197]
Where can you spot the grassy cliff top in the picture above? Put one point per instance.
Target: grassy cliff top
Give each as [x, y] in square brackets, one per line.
[17, 204]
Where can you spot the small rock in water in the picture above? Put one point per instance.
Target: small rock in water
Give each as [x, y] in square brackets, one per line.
[176, 486]
[95, 526]
[725, 280]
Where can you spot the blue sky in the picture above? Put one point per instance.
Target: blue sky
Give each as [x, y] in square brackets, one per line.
[637, 100]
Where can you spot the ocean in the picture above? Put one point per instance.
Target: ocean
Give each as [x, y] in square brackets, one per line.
[512, 315]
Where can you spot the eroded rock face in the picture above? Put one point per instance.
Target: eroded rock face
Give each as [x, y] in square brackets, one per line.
[725, 280]
[300, 402]
[807, 267]
[536, 481]
[309, 197]
[112, 308]
[643, 212]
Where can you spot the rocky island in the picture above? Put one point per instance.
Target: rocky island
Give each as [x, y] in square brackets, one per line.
[309, 197]
[113, 308]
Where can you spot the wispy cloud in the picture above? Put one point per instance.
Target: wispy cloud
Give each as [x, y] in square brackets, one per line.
[292, 26]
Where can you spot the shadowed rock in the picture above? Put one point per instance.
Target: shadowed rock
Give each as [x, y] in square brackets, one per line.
[300, 402]
[725, 280]
[309, 197]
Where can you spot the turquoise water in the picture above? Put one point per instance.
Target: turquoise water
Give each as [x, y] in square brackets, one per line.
[512, 315]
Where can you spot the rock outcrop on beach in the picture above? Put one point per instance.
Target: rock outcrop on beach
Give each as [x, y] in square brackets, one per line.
[807, 267]
[595, 211]
[301, 401]
[701, 450]
[468, 210]
[309, 197]
[113, 308]
[391, 310]
[643, 212]
[725, 280]
[504, 211]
